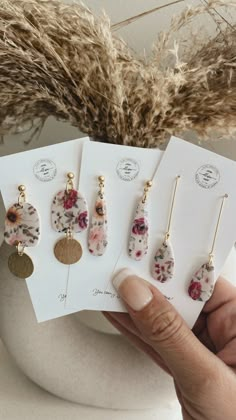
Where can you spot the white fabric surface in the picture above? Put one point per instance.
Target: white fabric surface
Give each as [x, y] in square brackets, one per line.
[20, 399]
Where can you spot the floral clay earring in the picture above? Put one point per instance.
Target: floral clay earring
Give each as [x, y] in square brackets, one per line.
[163, 265]
[138, 243]
[203, 282]
[22, 230]
[97, 240]
[69, 215]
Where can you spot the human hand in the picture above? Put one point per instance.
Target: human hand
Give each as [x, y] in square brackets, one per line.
[202, 362]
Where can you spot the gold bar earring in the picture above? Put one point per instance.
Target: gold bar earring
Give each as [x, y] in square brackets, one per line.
[163, 264]
[203, 282]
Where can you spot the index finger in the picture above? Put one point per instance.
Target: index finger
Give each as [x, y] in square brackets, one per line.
[224, 292]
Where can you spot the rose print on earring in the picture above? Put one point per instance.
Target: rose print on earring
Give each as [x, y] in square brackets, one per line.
[138, 243]
[97, 240]
[202, 283]
[163, 264]
[70, 199]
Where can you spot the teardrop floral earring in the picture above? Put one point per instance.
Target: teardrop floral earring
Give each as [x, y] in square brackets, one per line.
[203, 282]
[69, 216]
[138, 242]
[22, 230]
[97, 240]
[163, 264]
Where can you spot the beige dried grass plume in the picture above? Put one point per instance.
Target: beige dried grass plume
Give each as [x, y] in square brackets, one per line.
[59, 60]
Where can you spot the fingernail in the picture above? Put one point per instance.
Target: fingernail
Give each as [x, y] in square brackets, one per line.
[132, 289]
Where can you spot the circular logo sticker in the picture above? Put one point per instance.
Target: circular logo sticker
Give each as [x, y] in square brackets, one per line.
[207, 176]
[127, 169]
[45, 170]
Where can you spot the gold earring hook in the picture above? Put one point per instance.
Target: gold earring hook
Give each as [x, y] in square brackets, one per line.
[211, 253]
[69, 184]
[167, 235]
[147, 188]
[22, 195]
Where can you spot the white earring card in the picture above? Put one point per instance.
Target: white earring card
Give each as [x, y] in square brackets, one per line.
[126, 170]
[43, 172]
[205, 178]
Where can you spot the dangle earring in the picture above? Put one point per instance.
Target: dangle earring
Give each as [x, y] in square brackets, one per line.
[97, 240]
[22, 230]
[203, 282]
[163, 265]
[138, 242]
[69, 216]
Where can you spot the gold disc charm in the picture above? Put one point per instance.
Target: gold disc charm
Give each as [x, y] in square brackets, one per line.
[68, 251]
[20, 265]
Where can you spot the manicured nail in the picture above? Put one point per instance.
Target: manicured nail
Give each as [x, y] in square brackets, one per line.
[132, 289]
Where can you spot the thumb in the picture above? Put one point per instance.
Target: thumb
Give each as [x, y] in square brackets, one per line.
[161, 326]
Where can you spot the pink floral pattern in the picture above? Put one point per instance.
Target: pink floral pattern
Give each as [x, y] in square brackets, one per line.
[163, 264]
[140, 226]
[69, 211]
[70, 199]
[22, 225]
[138, 242]
[202, 283]
[97, 240]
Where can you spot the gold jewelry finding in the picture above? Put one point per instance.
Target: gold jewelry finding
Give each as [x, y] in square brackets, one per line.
[70, 184]
[147, 188]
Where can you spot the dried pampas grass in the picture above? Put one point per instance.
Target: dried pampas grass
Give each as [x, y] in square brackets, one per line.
[59, 60]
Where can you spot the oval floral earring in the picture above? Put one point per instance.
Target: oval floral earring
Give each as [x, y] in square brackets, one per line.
[138, 243]
[22, 230]
[163, 263]
[97, 241]
[69, 216]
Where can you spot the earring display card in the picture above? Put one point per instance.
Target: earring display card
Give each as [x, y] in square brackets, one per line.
[57, 289]
[205, 178]
[43, 172]
[126, 170]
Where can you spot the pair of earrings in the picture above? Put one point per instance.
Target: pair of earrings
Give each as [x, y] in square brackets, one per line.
[69, 216]
[202, 283]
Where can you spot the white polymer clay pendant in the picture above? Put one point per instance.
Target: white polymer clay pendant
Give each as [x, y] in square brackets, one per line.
[138, 242]
[163, 264]
[97, 240]
[202, 283]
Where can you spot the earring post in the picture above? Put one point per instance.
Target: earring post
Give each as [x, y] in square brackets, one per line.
[217, 228]
[172, 207]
